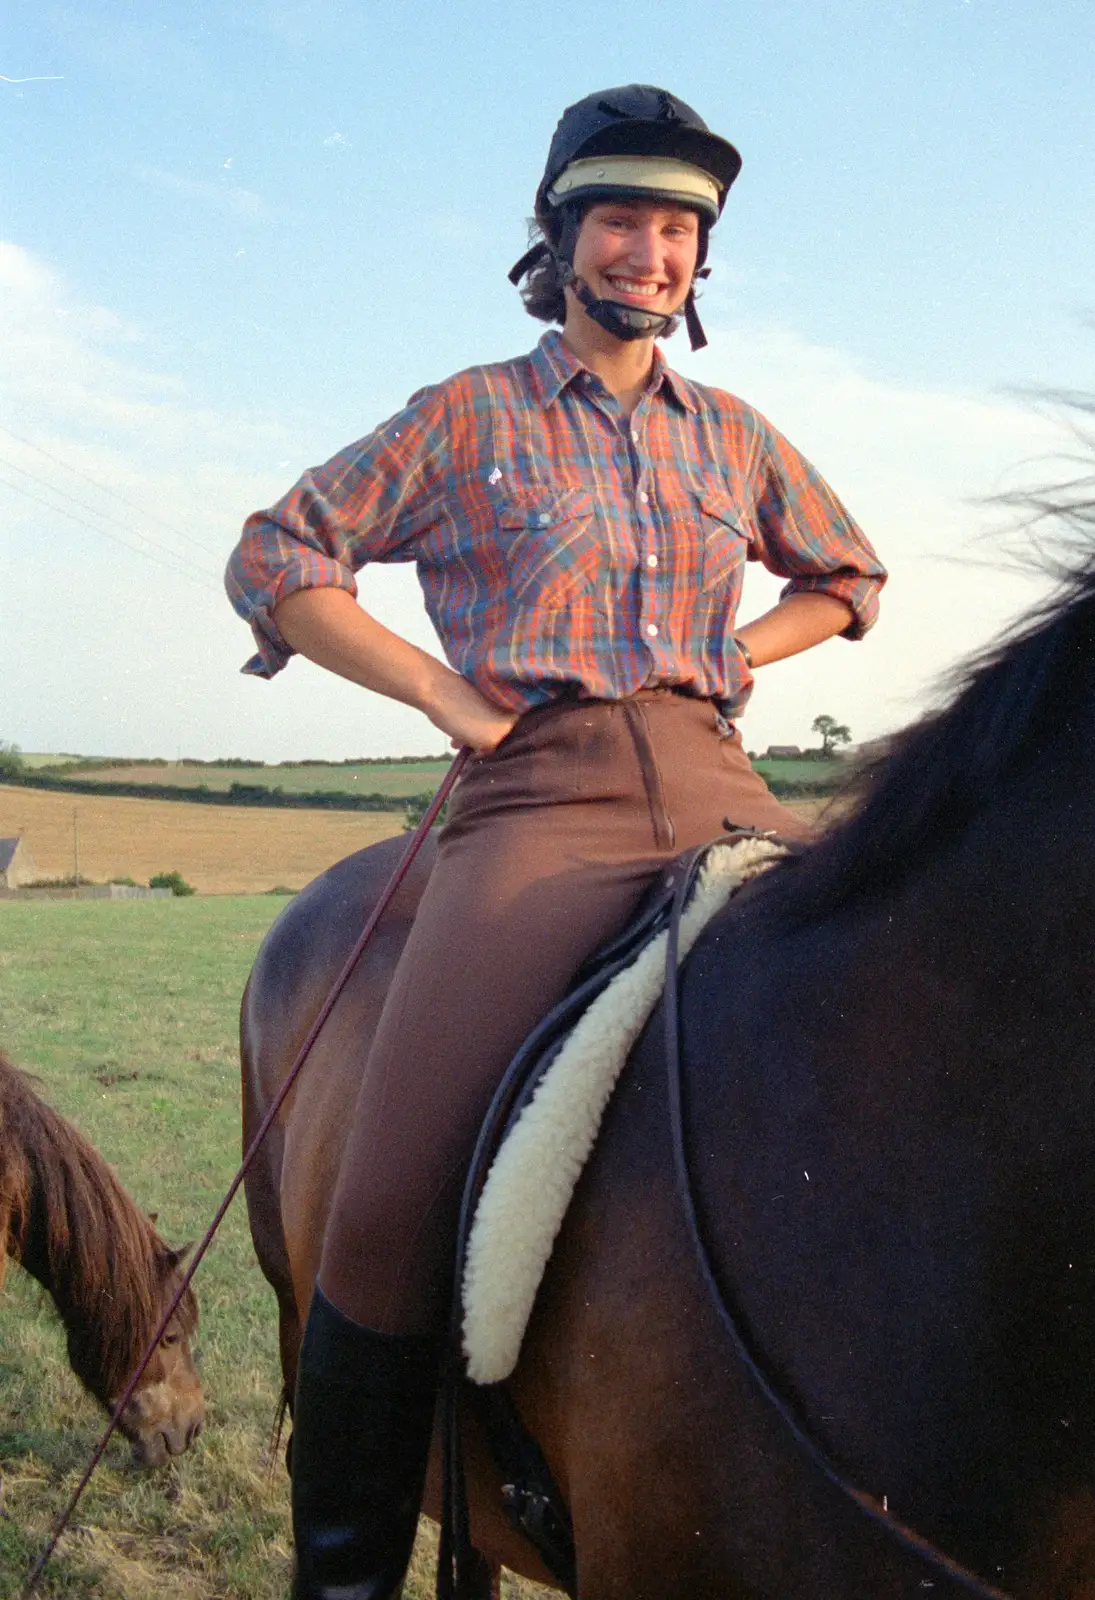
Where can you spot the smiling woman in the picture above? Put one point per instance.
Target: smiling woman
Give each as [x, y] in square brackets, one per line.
[645, 254]
[580, 519]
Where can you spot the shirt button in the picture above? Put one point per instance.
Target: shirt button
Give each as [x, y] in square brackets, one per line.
[652, 561]
[544, 518]
[635, 435]
[652, 629]
[645, 498]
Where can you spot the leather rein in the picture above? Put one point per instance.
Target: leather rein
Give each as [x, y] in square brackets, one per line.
[871, 1507]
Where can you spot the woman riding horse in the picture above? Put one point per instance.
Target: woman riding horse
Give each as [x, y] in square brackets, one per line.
[580, 518]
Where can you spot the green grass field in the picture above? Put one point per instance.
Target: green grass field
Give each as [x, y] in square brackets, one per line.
[394, 778]
[812, 774]
[126, 1011]
[45, 759]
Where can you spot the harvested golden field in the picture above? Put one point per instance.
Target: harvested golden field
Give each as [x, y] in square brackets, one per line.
[218, 849]
[822, 811]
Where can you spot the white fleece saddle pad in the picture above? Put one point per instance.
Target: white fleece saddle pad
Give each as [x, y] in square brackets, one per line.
[530, 1184]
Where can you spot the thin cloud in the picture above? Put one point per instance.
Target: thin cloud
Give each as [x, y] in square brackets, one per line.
[244, 204]
[73, 389]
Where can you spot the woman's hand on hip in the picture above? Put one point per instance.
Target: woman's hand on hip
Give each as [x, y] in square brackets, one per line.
[467, 716]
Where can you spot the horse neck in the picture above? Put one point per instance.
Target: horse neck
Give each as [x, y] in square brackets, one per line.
[75, 1230]
[927, 1124]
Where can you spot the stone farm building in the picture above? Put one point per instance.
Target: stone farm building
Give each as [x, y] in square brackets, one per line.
[16, 864]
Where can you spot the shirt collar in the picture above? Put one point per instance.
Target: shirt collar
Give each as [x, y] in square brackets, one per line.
[554, 366]
[678, 387]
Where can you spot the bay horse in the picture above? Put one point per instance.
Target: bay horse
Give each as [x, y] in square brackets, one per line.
[66, 1219]
[888, 1052]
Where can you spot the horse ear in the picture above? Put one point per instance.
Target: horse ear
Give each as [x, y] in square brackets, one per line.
[175, 1258]
[153, 1217]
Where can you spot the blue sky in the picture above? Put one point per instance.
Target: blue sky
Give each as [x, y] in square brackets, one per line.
[238, 235]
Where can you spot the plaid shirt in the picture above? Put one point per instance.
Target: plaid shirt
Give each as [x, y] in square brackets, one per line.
[559, 544]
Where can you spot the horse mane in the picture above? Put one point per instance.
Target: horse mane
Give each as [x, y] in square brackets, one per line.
[1028, 693]
[65, 1216]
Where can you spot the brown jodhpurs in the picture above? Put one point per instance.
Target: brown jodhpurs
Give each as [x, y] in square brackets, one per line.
[550, 845]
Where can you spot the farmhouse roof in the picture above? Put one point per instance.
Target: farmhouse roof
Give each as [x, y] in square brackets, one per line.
[8, 847]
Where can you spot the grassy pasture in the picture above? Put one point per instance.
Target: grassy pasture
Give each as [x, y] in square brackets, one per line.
[126, 1011]
[43, 760]
[396, 778]
[218, 849]
[809, 773]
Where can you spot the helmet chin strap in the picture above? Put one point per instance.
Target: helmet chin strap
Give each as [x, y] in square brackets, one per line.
[623, 322]
[632, 322]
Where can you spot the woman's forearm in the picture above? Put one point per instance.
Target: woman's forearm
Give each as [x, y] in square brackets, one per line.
[329, 627]
[797, 623]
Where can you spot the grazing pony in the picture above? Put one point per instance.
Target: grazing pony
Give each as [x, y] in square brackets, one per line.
[887, 1056]
[66, 1219]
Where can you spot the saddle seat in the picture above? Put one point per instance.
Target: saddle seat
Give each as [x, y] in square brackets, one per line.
[545, 1116]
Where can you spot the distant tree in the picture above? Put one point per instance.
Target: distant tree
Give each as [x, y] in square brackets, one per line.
[832, 734]
[11, 762]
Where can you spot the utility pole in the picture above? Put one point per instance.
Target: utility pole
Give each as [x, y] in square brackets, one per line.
[75, 850]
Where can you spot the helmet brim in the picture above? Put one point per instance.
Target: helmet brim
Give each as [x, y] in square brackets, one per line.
[697, 146]
[593, 193]
[652, 178]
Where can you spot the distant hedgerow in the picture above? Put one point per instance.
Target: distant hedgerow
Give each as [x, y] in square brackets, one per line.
[173, 881]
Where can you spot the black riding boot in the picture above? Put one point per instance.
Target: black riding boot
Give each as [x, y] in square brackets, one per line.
[361, 1433]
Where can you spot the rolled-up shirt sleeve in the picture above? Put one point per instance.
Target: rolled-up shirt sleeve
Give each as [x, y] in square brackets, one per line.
[371, 502]
[804, 533]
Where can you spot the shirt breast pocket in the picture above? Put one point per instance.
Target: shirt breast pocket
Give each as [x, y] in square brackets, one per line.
[726, 539]
[553, 548]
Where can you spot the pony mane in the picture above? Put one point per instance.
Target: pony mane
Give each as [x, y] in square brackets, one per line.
[65, 1216]
[1030, 691]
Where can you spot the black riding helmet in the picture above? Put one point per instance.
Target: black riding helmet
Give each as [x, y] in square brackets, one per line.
[636, 142]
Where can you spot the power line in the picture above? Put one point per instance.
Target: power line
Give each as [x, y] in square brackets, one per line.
[187, 538]
[113, 537]
[106, 516]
